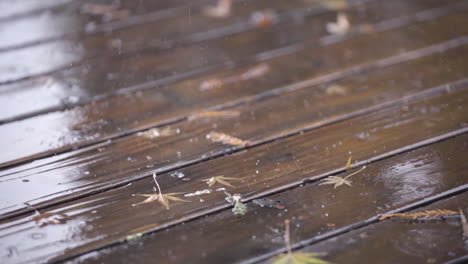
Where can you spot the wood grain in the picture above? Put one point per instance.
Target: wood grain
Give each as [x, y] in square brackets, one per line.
[108, 217]
[401, 242]
[100, 78]
[58, 132]
[260, 119]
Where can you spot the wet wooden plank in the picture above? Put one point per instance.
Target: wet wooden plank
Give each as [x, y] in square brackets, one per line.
[94, 80]
[112, 162]
[189, 24]
[259, 119]
[394, 241]
[72, 18]
[314, 211]
[21, 8]
[107, 217]
[60, 131]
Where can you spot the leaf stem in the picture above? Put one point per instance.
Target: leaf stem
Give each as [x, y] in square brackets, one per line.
[356, 172]
[157, 184]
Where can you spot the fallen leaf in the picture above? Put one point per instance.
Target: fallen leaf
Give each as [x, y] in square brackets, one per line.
[214, 114]
[222, 9]
[211, 84]
[296, 257]
[438, 213]
[221, 180]
[50, 219]
[348, 163]
[338, 181]
[161, 198]
[262, 19]
[341, 26]
[226, 139]
[336, 90]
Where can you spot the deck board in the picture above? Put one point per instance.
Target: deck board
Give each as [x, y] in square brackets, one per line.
[152, 69]
[400, 241]
[99, 121]
[92, 106]
[314, 210]
[284, 163]
[262, 120]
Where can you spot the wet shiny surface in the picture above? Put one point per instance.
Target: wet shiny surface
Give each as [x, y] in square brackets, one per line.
[97, 121]
[151, 68]
[110, 216]
[312, 209]
[103, 93]
[83, 170]
[402, 242]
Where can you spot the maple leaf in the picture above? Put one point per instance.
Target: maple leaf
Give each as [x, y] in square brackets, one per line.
[296, 257]
[299, 258]
[338, 181]
[221, 180]
[160, 197]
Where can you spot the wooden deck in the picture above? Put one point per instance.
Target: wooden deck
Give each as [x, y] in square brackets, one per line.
[97, 96]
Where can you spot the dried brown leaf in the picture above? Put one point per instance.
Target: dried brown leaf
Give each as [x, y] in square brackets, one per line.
[214, 114]
[336, 90]
[348, 163]
[221, 10]
[226, 139]
[338, 181]
[221, 180]
[341, 26]
[161, 198]
[438, 213]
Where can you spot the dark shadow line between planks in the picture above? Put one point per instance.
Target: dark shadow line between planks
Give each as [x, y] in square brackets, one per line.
[113, 25]
[357, 225]
[194, 38]
[460, 260]
[324, 41]
[324, 79]
[117, 184]
[423, 202]
[110, 185]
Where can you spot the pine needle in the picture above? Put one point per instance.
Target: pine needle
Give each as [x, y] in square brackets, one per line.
[226, 139]
[438, 213]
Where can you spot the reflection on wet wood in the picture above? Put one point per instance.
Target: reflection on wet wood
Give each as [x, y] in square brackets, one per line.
[265, 111]
[108, 217]
[313, 210]
[99, 121]
[149, 69]
[153, 150]
[67, 18]
[396, 242]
